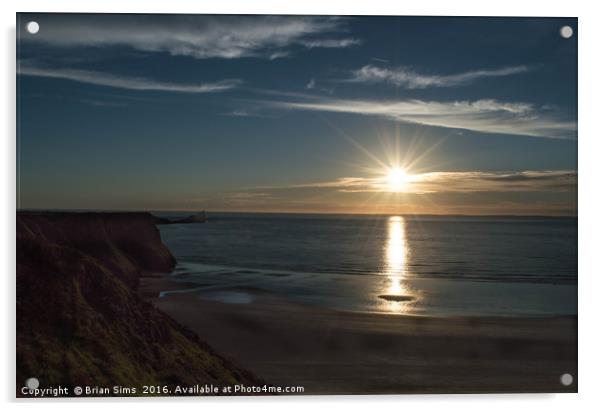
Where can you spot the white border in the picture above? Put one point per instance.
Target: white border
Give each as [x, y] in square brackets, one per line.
[589, 190]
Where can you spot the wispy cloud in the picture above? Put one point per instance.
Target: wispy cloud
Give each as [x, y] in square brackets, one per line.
[455, 182]
[312, 85]
[408, 78]
[196, 36]
[239, 112]
[485, 116]
[331, 43]
[125, 82]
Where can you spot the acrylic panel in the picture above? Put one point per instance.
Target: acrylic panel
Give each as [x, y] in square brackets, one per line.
[295, 205]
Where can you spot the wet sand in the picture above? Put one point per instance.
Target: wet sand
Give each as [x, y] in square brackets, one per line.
[334, 352]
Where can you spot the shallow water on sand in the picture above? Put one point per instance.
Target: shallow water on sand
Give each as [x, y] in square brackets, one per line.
[413, 265]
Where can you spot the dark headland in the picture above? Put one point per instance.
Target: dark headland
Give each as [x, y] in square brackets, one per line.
[80, 320]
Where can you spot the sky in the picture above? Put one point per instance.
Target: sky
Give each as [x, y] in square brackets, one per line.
[392, 115]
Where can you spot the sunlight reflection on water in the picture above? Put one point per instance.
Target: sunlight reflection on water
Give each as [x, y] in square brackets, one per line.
[397, 295]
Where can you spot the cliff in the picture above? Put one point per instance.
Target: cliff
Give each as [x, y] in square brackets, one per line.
[79, 318]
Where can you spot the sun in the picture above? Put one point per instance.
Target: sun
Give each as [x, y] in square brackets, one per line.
[397, 179]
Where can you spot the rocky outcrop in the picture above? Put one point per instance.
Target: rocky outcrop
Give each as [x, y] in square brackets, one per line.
[79, 318]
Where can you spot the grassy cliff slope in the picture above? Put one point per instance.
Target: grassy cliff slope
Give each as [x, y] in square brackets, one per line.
[79, 318]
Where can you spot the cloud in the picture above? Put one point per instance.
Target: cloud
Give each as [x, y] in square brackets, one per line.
[125, 82]
[485, 116]
[454, 182]
[278, 55]
[312, 85]
[239, 112]
[404, 77]
[331, 43]
[197, 36]
[480, 181]
[542, 192]
[246, 112]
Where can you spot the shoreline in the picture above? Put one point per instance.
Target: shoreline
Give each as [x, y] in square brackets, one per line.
[420, 295]
[339, 352]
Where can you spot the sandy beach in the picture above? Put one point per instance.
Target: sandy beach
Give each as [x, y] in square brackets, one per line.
[335, 352]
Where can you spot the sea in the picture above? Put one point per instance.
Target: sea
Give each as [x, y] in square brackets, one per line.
[393, 264]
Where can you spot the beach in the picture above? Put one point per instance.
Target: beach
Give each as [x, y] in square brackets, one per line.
[330, 351]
